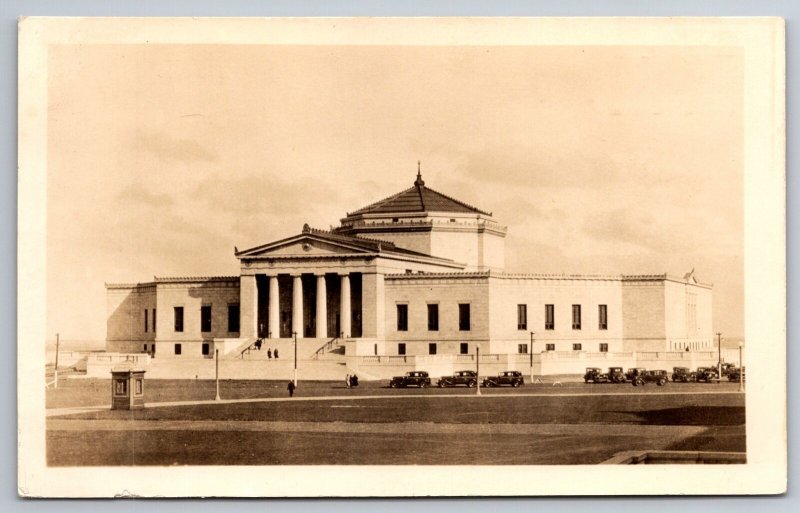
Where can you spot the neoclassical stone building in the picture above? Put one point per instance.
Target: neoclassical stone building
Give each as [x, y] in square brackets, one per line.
[417, 273]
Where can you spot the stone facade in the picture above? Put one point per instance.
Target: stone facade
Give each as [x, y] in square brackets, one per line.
[416, 274]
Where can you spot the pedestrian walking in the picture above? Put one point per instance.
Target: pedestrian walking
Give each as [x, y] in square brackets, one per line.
[290, 388]
[347, 381]
[275, 353]
[269, 354]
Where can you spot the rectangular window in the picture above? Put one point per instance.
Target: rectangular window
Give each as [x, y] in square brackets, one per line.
[177, 349]
[145, 320]
[206, 349]
[550, 347]
[205, 318]
[522, 317]
[603, 348]
[433, 318]
[576, 317]
[233, 318]
[121, 387]
[139, 387]
[576, 347]
[463, 316]
[154, 319]
[432, 348]
[178, 318]
[549, 317]
[402, 317]
[464, 349]
[145, 348]
[522, 348]
[602, 317]
[401, 348]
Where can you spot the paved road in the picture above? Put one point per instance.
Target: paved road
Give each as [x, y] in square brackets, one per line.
[55, 412]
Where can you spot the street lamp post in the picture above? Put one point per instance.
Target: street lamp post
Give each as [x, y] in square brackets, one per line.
[530, 350]
[719, 355]
[216, 372]
[478, 368]
[294, 333]
[741, 368]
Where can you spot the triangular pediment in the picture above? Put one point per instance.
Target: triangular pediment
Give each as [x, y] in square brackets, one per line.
[303, 245]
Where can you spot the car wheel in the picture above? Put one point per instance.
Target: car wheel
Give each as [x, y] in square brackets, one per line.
[640, 382]
[441, 385]
[662, 382]
[470, 384]
[516, 384]
[422, 384]
[392, 385]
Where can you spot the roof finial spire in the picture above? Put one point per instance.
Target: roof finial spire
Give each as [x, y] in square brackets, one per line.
[419, 181]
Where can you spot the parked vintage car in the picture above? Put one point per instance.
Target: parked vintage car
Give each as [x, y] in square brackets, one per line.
[595, 375]
[726, 368]
[735, 374]
[632, 372]
[683, 374]
[616, 375]
[464, 377]
[511, 378]
[658, 377]
[707, 375]
[414, 378]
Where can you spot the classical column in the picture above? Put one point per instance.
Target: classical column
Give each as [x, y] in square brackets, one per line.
[373, 307]
[345, 314]
[274, 308]
[322, 307]
[248, 301]
[297, 305]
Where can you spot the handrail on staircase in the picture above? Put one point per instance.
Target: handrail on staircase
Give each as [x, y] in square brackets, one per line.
[327, 345]
[248, 348]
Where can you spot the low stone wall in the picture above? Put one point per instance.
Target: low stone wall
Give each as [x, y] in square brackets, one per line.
[384, 367]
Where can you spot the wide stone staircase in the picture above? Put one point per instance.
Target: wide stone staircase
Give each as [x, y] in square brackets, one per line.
[317, 359]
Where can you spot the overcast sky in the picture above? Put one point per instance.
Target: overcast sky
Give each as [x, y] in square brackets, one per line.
[599, 159]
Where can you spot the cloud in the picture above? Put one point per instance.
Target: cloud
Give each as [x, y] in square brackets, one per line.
[541, 166]
[136, 193]
[171, 148]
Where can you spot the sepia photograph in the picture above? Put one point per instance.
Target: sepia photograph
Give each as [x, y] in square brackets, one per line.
[397, 250]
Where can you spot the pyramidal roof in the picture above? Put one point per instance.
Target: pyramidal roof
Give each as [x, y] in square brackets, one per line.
[418, 198]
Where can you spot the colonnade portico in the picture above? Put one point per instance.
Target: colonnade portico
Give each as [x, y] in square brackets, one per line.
[309, 317]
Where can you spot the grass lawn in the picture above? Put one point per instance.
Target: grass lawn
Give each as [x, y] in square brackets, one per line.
[419, 427]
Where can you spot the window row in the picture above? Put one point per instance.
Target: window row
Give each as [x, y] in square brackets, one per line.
[205, 349]
[521, 348]
[464, 321]
[205, 318]
[433, 348]
[550, 317]
[577, 346]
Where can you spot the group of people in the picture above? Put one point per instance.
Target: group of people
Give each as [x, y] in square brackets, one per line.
[270, 351]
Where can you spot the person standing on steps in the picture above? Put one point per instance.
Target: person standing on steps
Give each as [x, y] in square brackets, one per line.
[269, 354]
[290, 388]
[275, 352]
[347, 381]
